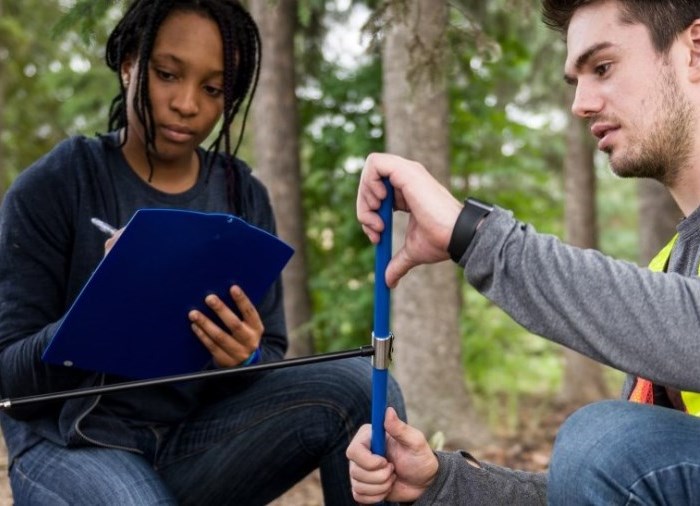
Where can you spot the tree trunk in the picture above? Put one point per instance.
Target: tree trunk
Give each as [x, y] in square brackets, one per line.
[426, 304]
[658, 217]
[276, 145]
[583, 380]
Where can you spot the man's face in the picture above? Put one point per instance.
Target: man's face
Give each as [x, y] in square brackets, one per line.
[630, 94]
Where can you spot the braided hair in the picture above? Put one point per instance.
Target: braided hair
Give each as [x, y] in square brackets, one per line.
[134, 37]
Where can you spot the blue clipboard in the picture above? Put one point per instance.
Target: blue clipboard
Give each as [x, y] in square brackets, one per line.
[130, 319]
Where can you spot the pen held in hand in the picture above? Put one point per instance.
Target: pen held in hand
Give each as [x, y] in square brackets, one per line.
[104, 227]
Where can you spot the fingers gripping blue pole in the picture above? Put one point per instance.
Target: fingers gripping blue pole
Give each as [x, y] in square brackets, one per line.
[381, 335]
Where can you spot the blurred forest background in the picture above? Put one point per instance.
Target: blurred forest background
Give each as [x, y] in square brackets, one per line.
[472, 89]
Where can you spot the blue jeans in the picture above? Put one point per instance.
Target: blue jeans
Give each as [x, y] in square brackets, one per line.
[618, 452]
[247, 450]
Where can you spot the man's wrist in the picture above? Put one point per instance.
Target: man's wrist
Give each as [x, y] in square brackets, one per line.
[465, 227]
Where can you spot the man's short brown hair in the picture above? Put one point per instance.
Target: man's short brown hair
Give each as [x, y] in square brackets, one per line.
[665, 19]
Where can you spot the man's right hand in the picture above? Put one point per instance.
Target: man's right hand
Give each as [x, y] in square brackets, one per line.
[433, 211]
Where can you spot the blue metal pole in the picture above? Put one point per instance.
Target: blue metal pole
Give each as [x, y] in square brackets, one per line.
[381, 336]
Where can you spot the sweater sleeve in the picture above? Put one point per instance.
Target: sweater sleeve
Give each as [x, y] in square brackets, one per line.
[260, 213]
[34, 262]
[641, 322]
[459, 482]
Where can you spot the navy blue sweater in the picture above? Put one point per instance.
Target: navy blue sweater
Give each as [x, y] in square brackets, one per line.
[49, 248]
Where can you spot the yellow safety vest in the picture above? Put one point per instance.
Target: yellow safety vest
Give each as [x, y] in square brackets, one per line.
[643, 389]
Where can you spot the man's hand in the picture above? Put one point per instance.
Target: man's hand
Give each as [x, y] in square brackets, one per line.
[433, 211]
[407, 471]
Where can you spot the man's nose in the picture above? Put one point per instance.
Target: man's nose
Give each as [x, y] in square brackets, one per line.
[587, 101]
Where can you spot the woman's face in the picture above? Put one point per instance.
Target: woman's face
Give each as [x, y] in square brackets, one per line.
[186, 77]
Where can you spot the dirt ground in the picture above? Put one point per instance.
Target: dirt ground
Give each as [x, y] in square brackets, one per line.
[526, 446]
[5, 496]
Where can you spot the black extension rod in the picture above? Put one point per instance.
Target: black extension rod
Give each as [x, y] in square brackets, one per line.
[6, 404]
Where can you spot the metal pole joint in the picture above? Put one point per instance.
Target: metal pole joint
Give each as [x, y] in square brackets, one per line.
[383, 348]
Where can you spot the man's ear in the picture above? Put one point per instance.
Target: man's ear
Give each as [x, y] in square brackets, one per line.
[693, 41]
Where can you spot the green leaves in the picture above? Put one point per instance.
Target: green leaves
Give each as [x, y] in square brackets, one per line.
[53, 83]
[342, 123]
[85, 18]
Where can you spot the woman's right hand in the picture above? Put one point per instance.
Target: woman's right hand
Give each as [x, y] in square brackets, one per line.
[109, 243]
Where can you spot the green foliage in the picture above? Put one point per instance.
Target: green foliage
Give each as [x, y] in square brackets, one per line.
[495, 95]
[87, 16]
[341, 124]
[617, 215]
[507, 149]
[503, 357]
[53, 84]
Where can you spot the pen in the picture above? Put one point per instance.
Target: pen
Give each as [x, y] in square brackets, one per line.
[104, 227]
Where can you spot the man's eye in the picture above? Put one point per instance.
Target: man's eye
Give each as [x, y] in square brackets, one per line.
[602, 69]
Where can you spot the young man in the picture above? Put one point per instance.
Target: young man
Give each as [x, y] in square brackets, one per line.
[636, 69]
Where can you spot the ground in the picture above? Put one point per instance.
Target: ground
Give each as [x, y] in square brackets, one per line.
[5, 496]
[525, 446]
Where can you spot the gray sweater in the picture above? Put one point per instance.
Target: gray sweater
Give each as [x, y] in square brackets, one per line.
[567, 295]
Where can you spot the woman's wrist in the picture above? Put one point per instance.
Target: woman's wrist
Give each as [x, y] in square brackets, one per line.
[254, 358]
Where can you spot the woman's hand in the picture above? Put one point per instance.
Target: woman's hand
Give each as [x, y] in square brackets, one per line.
[109, 243]
[231, 346]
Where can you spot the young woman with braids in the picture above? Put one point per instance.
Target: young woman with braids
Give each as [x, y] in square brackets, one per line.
[183, 66]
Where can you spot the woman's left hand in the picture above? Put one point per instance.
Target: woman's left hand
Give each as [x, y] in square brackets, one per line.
[231, 346]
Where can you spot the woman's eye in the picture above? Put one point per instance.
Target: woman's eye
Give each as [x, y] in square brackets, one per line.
[213, 91]
[165, 75]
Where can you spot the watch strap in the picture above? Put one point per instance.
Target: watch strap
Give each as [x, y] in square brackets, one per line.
[465, 227]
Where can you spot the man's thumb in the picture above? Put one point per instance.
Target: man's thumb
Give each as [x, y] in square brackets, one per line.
[397, 428]
[397, 268]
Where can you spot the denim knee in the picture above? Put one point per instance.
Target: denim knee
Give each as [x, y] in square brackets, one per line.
[615, 452]
[353, 381]
[587, 449]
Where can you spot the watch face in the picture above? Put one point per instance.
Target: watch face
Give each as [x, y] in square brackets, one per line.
[481, 205]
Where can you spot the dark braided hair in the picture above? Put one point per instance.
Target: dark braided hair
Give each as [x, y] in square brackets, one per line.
[664, 19]
[134, 37]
